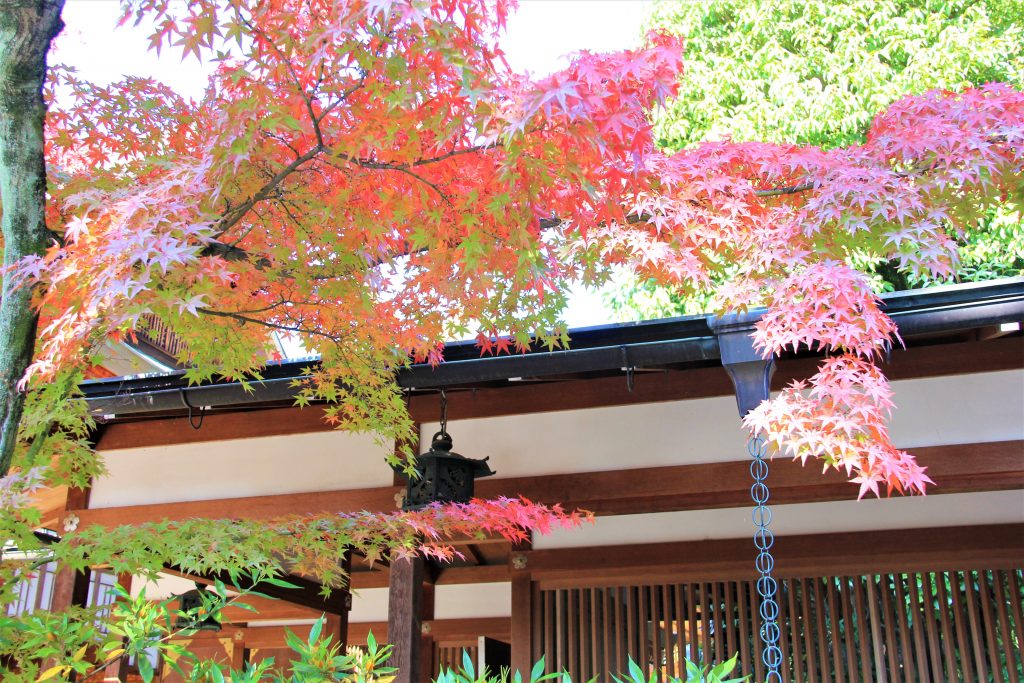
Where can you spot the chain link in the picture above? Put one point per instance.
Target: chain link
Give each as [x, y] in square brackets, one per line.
[767, 586]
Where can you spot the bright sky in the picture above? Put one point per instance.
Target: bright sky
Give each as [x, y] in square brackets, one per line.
[539, 37]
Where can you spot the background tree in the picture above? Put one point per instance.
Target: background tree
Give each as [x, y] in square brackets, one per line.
[812, 73]
[26, 30]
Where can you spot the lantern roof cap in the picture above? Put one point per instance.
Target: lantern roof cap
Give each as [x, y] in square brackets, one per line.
[441, 447]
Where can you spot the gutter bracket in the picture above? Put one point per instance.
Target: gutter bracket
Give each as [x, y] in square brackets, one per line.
[750, 372]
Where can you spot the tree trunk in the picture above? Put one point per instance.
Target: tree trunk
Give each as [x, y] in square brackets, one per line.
[26, 29]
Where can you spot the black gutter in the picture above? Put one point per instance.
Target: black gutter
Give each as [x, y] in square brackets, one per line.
[594, 349]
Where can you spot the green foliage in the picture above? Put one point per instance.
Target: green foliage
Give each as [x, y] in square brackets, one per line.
[810, 72]
[632, 298]
[54, 646]
[695, 673]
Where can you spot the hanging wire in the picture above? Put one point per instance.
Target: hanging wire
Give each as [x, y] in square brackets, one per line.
[764, 539]
[202, 411]
[444, 413]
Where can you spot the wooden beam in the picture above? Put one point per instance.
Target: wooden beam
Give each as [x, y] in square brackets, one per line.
[51, 503]
[997, 546]
[378, 499]
[960, 468]
[443, 629]
[306, 593]
[694, 383]
[671, 385]
[267, 609]
[217, 426]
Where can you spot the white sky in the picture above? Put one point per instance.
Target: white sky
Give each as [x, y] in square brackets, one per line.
[539, 37]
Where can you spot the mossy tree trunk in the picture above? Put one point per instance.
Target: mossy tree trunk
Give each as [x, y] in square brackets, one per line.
[26, 29]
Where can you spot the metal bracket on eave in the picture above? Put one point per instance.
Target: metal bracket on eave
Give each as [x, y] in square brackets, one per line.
[751, 374]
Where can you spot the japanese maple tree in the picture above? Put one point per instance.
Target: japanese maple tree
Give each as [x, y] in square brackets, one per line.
[370, 177]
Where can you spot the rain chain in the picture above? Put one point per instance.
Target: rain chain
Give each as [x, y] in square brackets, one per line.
[767, 586]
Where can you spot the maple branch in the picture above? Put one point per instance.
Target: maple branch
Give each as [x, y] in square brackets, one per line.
[229, 219]
[343, 98]
[453, 153]
[792, 189]
[429, 184]
[266, 323]
[913, 172]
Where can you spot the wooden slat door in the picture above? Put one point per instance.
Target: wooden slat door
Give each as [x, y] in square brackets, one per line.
[897, 628]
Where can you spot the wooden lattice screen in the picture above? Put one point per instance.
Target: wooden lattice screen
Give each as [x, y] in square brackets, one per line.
[944, 626]
[449, 655]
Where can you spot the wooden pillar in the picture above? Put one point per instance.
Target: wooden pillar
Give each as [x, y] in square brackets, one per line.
[427, 672]
[522, 615]
[70, 588]
[336, 620]
[405, 605]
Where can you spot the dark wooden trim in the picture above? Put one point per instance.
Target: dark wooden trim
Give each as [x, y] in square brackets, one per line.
[440, 629]
[670, 385]
[996, 546]
[959, 468]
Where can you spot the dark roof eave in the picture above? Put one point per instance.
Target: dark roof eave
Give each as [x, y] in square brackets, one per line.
[601, 348]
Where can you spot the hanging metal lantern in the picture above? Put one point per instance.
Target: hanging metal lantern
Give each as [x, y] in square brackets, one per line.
[191, 604]
[442, 475]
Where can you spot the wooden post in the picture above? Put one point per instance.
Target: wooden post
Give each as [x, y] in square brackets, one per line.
[71, 587]
[427, 672]
[522, 614]
[405, 605]
[239, 656]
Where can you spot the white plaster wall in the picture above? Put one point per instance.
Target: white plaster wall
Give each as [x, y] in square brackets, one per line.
[318, 461]
[959, 409]
[473, 600]
[164, 587]
[466, 601]
[869, 514]
[941, 410]
[369, 604]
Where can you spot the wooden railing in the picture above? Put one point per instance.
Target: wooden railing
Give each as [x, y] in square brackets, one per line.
[941, 626]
